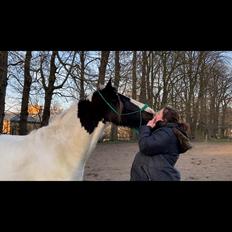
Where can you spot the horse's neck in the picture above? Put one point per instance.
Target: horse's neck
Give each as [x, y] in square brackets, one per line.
[74, 143]
[93, 139]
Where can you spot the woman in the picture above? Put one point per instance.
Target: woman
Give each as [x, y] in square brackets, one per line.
[160, 143]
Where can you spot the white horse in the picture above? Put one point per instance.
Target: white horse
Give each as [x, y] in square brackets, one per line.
[60, 150]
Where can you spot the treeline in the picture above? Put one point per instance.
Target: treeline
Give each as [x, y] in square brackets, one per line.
[197, 83]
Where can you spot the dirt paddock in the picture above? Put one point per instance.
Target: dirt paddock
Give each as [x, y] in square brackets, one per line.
[204, 162]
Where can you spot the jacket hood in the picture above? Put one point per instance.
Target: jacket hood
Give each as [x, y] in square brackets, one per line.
[182, 137]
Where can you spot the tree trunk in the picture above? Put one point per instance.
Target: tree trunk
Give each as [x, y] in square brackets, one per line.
[114, 128]
[143, 92]
[26, 94]
[46, 110]
[82, 60]
[216, 121]
[202, 105]
[134, 84]
[149, 95]
[3, 85]
[196, 100]
[49, 91]
[152, 80]
[164, 79]
[134, 77]
[189, 91]
[102, 68]
[211, 117]
[223, 119]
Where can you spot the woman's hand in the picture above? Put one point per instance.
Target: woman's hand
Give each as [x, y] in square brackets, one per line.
[152, 122]
[158, 117]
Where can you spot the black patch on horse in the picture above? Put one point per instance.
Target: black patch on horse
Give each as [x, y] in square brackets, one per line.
[89, 115]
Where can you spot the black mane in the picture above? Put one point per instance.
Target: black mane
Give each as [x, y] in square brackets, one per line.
[89, 115]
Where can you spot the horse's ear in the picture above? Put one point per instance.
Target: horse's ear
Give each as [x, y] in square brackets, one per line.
[109, 84]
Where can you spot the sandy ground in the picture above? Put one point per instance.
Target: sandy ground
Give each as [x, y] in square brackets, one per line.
[204, 162]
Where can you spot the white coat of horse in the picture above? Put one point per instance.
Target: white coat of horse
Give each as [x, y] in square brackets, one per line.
[58, 151]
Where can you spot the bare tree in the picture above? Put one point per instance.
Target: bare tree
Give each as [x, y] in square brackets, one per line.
[134, 86]
[197, 83]
[199, 86]
[50, 86]
[169, 64]
[102, 68]
[134, 77]
[26, 94]
[3, 85]
[142, 96]
[114, 128]
[82, 76]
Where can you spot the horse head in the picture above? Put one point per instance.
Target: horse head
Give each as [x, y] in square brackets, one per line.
[107, 105]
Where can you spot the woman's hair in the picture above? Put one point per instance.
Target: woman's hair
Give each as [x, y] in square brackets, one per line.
[172, 116]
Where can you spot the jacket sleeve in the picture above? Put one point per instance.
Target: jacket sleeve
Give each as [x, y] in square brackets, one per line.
[153, 143]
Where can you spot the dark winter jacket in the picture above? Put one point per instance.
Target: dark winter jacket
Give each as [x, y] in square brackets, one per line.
[159, 151]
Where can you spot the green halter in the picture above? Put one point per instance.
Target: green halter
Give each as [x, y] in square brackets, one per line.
[115, 111]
